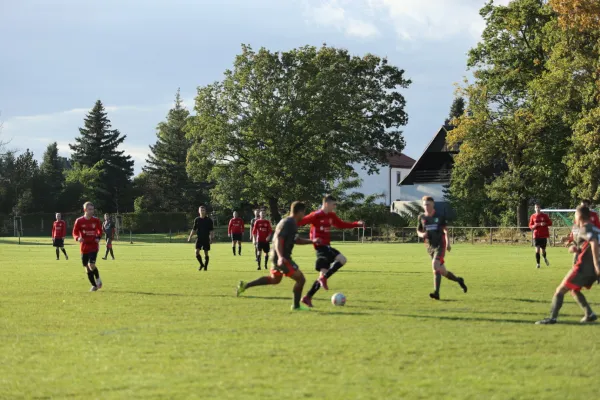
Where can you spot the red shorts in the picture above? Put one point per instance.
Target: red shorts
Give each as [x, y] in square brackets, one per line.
[288, 269]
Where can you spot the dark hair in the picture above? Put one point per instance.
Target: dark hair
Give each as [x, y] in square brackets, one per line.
[329, 198]
[584, 212]
[297, 207]
[428, 198]
[537, 203]
[586, 202]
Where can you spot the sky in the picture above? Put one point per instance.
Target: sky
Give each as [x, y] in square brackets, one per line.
[57, 57]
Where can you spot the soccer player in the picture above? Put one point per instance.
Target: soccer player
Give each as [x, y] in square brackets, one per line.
[539, 223]
[261, 232]
[284, 239]
[59, 231]
[585, 271]
[433, 230]
[593, 215]
[252, 238]
[329, 260]
[235, 231]
[88, 232]
[109, 231]
[205, 235]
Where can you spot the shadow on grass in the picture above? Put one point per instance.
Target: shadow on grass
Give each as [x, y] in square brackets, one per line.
[232, 295]
[149, 293]
[339, 312]
[24, 242]
[386, 272]
[479, 319]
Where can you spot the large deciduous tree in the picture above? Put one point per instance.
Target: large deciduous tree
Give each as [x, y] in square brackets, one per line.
[98, 142]
[281, 126]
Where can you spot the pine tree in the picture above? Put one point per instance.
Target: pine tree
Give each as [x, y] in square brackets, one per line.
[52, 174]
[457, 109]
[166, 163]
[98, 142]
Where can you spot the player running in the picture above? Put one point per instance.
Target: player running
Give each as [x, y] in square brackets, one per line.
[585, 271]
[539, 224]
[88, 232]
[261, 232]
[59, 232]
[205, 235]
[252, 237]
[284, 239]
[109, 231]
[235, 231]
[433, 230]
[329, 260]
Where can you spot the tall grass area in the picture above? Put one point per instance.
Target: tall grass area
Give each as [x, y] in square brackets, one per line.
[159, 329]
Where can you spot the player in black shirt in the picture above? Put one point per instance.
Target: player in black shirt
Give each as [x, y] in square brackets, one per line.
[203, 226]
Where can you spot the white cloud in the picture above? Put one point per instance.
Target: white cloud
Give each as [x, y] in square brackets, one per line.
[411, 20]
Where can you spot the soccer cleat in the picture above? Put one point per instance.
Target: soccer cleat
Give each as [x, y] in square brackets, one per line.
[99, 283]
[589, 318]
[241, 288]
[66, 257]
[547, 262]
[104, 258]
[323, 282]
[461, 282]
[308, 301]
[57, 258]
[93, 289]
[258, 269]
[434, 295]
[546, 321]
[301, 308]
[538, 266]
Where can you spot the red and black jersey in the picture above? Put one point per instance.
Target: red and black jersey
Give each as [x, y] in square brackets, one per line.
[59, 229]
[321, 223]
[236, 226]
[90, 230]
[261, 230]
[594, 219]
[539, 223]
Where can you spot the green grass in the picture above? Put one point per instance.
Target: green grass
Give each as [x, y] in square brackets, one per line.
[162, 330]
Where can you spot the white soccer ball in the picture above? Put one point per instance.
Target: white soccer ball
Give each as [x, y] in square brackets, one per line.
[338, 299]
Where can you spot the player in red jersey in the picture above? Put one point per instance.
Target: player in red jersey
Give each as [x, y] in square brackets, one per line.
[235, 231]
[59, 231]
[539, 223]
[593, 215]
[88, 232]
[329, 260]
[261, 232]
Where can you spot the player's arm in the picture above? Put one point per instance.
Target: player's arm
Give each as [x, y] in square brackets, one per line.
[229, 227]
[211, 229]
[64, 232]
[595, 247]
[253, 232]
[269, 231]
[448, 245]
[53, 229]
[532, 224]
[340, 224]
[98, 233]
[193, 229]
[421, 232]
[301, 241]
[308, 219]
[548, 221]
[77, 232]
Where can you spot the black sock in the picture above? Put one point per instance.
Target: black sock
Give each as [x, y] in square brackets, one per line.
[336, 266]
[96, 273]
[106, 255]
[557, 303]
[64, 252]
[451, 276]
[112, 254]
[437, 282]
[91, 278]
[314, 289]
[582, 301]
[206, 259]
[258, 261]
[266, 260]
[233, 249]
[57, 253]
[544, 255]
[298, 293]
[199, 258]
[240, 249]
[537, 257]
[265, 280]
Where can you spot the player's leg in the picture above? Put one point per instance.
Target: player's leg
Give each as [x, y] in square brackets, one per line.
[107, 249]
[110, 248]
[322, 266]
[438, 271]
[258, 254]
[198, 256]
[206, 257]
[94, 269]
[85, 260]
[239, 243]
[267, 249]
[62, 248]
[338, 260]
[298, 277]
[538, 250]
[589, 315]
[233, 244]
[543, 246]
[57, 252]
[273, 279]
[557, 302]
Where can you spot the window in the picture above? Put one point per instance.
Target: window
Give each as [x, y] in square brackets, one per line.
[399, 178]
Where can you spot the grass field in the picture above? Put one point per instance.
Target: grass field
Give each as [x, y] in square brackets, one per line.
[159, 329]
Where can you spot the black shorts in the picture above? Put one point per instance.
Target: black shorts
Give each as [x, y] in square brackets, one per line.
[325, 254]
[541, 243]
[58, 242]
[89, 258]
[263, 246]
[203, 244]
[236, 237]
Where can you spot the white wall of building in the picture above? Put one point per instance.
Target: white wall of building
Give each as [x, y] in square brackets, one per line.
[375, 183]
[396, 177]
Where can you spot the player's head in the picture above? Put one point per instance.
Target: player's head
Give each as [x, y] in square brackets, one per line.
[329, 203]
[106, 217]
[261, 215]
[235, 214]
[257, 213]
[537, 207]
[202, 211]
[428, 204]
[586, 203]
[582, 215]
[58, 216]
[298, 210]
[88, 209]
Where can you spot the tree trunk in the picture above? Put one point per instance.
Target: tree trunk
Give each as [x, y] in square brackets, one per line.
[274, 208]
[522, 215]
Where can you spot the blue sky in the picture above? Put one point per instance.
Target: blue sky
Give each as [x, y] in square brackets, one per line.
[59, 56]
